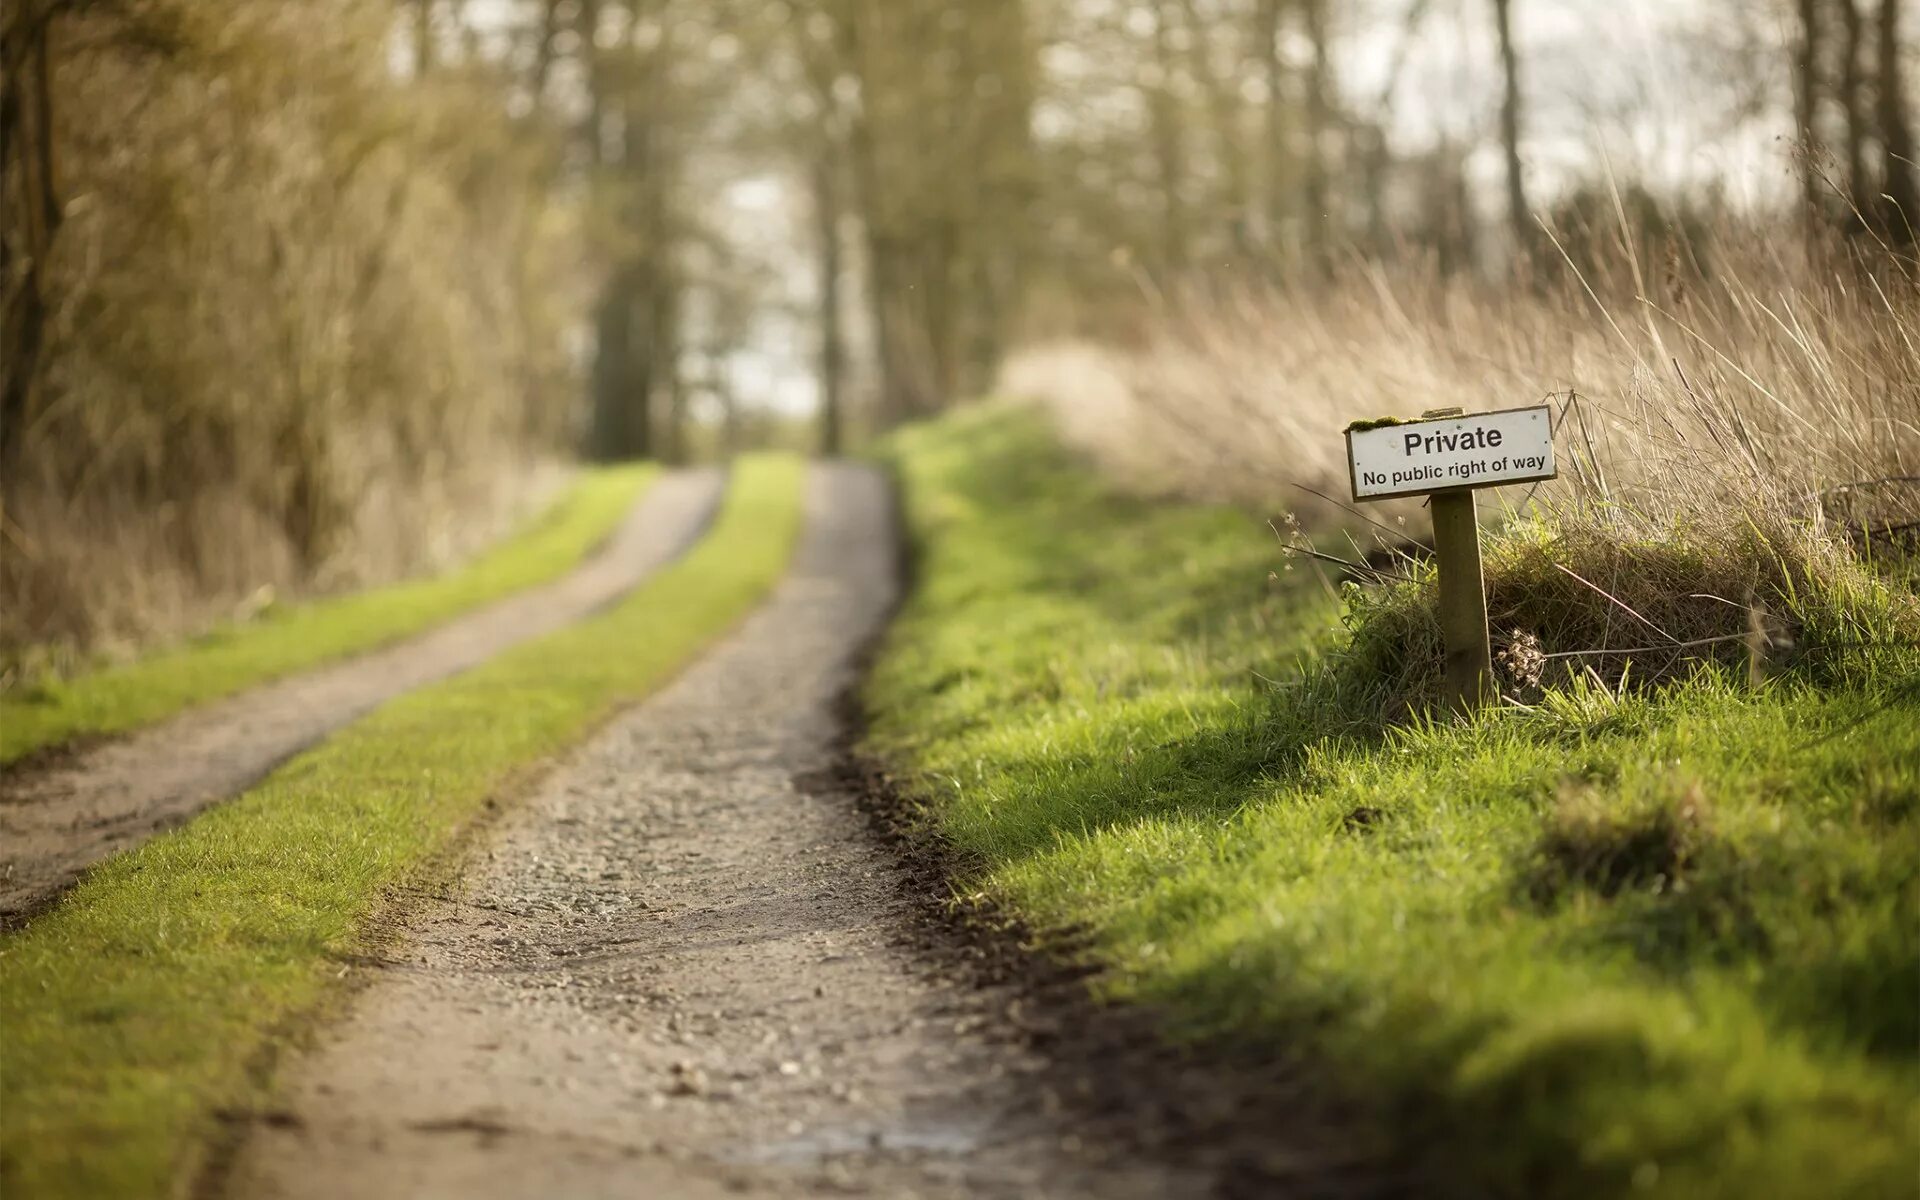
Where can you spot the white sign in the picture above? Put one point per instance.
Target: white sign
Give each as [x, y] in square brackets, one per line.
[1412, 458]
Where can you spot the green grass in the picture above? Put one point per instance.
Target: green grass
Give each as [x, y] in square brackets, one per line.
[137, 1008]
[239, 656]
[1659, 942]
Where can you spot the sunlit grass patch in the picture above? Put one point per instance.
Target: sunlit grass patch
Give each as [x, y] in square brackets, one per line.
[1657, 939]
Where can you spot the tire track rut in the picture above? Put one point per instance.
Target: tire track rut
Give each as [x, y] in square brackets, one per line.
[58, 820]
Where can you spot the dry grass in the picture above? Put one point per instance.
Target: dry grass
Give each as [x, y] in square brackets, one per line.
[1735, 439]
[1759, 387]
[293, 332]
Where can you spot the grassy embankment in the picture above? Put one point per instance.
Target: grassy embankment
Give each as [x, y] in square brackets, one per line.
[1659, 941]
[120, 698]
[136, 1010]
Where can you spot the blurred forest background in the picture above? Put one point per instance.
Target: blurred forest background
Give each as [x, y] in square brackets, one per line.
[303, 294]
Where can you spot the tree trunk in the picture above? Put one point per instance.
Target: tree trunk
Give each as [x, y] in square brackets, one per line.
[1806, 100]
[1277, 157]
[1224, 107]
[663, 349]
[422, 38]
[1901, 184]
[1375, 162]
[730, 440]
[995, 228]
[1519, 214]
[638, 324]
[833, 350]
[586, 28]
[613, 374]
[882, 255]
[543, 50]
[1853, 101]
[889, 323]
[940, 312]
[829, 203]
[1168, 147]
[1319, 118]
[673, 439]
[30, 212]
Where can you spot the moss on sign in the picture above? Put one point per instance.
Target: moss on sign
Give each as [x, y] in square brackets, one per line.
[1376, 423]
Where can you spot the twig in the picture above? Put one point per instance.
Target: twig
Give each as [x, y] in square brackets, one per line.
[1870, 483]
[1337, 561]
[1624, 606]
[1721, 599]
[1729, 637]
[1888, 531]
[1398, 534]
[1573, 397]
[1817, 647]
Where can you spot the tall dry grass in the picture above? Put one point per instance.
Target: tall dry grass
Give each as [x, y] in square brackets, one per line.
[1734, 438]
[305, 319]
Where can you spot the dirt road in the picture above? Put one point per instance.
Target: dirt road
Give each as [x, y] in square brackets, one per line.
[56, 822]
[673, 972]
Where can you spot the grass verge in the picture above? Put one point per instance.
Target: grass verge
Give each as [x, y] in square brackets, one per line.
[1657, 941]
[238, 656]
[134, 1010]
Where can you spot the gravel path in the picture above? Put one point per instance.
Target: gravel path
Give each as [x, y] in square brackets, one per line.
[57, 821]
[674, 971]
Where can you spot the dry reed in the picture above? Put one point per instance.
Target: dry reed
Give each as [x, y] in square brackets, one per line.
[1734, 438]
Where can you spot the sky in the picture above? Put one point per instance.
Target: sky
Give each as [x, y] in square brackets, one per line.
[1619, 79]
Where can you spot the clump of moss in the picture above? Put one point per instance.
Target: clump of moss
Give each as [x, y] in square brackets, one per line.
[1598, 842]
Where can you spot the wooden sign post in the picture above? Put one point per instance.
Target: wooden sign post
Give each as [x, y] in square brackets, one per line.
[1447, 456]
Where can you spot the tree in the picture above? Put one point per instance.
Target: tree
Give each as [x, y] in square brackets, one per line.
[1319, 110]
[636, 133]
[861, 31]
[833, 345]
[1853, 104]
[1808, 82]
[30, 211]
[1169, 142]
[423, 37]
[1901, 186]
[1519, 214]
[936, 147]
[1274, 118]
[825, 172]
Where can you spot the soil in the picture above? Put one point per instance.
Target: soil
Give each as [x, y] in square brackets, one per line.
[694, 961]
[67, 812]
